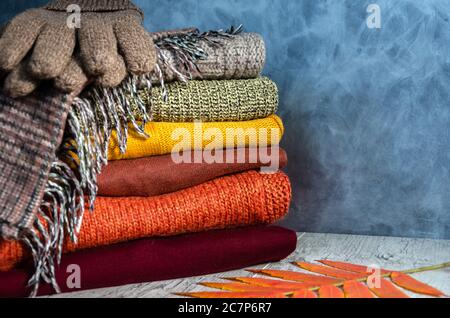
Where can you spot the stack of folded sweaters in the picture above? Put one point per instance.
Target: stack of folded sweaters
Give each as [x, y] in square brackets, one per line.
[191, 199]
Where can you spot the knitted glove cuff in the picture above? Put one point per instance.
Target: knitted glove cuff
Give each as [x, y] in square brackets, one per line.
[92, 5]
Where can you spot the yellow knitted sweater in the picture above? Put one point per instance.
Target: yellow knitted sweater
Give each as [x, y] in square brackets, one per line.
[166, 138]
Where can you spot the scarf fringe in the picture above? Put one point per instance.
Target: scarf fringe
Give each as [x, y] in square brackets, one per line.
[186, 52]
[72, 181]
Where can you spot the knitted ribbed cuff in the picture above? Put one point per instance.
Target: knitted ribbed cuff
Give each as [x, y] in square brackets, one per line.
[92, 5]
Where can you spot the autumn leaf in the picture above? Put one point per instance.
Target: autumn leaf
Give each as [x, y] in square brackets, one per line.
[297, 277]
[328, 271]
[400, 279]
[352, 267]
[355, 289]
[411, 284]
[331, 291]
[387, 290]
[336, 280]
[273, 283]
[241, 287]
[231, 295]
[304, 294]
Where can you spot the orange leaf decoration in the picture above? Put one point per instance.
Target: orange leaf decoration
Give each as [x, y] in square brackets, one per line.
[304, 294]
[407, 282]
[233, 295]
[297, 277]
[355, 289]
[336, 280]
[328, 271]
[331, 291]
[236, 287]
[388, 290]
[273, 283]
[241, 287]
[352, 267]
[400, 279]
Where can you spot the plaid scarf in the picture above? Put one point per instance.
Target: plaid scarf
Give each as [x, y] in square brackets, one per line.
[28, 151]
[53, 149]
[54, 146]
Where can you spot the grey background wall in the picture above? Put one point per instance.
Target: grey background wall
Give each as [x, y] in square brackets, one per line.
[367, 111]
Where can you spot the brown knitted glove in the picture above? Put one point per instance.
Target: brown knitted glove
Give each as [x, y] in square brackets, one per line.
[39, 45]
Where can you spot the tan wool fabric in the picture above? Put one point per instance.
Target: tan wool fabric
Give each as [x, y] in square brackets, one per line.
[40, 45]
[238, 57]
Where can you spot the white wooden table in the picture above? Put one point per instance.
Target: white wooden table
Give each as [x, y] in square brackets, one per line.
[389, 253]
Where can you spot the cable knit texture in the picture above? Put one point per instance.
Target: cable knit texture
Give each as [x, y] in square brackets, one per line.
[211, 101]
[166, 138]
[244, 199]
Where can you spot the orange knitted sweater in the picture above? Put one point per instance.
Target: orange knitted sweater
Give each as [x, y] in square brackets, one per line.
[244, 199]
